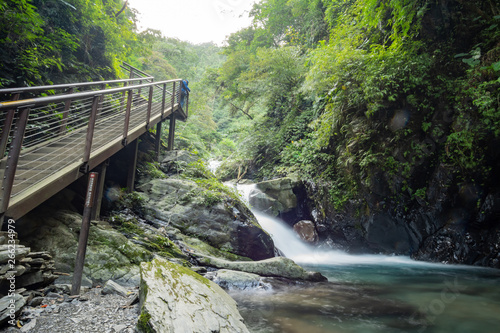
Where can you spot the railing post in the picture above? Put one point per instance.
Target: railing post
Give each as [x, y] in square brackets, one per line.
[163, 99]
[99, 191]
[67, 105]
[127, 116]
[150, 104]
[101, 100]
[122, 100]
[9, 118]
[13, 158]
[84, 234]
[90, 134]
[140, 89]
[173, 97]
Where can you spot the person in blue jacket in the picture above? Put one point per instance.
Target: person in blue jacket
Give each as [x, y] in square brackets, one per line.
[184, 90]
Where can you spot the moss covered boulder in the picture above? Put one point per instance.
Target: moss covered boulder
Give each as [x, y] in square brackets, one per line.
[275, 196]
[201, 209]
[110, 255]
[175, 299]
[274, 267]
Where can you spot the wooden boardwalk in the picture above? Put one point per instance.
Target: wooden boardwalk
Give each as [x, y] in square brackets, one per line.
[49, 142]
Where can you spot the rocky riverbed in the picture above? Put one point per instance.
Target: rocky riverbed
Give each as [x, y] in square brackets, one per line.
[99, 310]
[180, 237]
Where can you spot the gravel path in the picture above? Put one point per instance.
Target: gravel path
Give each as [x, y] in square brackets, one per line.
[57, 312]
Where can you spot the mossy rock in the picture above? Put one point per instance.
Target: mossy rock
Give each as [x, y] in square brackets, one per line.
[175, 299]
[226, 225]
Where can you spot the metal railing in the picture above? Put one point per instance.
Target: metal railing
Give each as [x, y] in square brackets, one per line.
[53, 132]
[134, 72]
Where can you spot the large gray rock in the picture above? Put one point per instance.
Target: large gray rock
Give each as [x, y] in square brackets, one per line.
[235, 280]
[226, 224]
[110, 255]
[182, 156]
[278, 196]
[113, 288]
[274, 267]
[175, 299]
[260, 201]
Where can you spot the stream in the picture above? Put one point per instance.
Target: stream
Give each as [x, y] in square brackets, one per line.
[371, 293]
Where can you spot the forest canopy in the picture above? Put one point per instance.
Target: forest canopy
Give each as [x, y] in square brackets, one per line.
[368, 97]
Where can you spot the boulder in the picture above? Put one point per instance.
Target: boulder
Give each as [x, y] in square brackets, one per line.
[306, 231]
[176, 161]
[280, 190]
[182, 156]
[226, 224]
[113, 288]
[175, 299]
[110, 255]
[262, 202]
[274, 267]
[235, 280]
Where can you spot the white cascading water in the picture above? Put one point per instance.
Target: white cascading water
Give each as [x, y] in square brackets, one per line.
[213, 165]
[289, 243]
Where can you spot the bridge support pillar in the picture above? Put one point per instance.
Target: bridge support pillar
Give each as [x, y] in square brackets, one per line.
[96, 210]
[84, 234]
[158, 140]
[171, 133]
[132, 149]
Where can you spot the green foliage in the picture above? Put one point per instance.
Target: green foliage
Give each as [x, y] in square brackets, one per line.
[380, 95]
[126, 226]
[212, 190]
[143, 322]
[55, 42]
[151, 169]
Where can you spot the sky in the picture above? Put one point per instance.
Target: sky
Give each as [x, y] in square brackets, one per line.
[196, 21]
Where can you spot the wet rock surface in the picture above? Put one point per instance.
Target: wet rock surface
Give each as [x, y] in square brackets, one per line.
[53, 310]
[281, 192]
[306, 231]
[274, 267]
[235, 280]
[451, 223]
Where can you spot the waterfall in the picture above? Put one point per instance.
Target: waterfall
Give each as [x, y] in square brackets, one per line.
[213, 165]
[290, 244]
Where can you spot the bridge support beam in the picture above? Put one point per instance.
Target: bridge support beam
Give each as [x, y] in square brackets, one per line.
[171, 133]
[132, 149]
[84, 234]
[96, 210]
[158, 140]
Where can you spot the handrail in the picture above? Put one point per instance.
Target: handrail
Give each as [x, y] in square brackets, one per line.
[60, 98]
[69, 85]
[128, 66]
[45, 133]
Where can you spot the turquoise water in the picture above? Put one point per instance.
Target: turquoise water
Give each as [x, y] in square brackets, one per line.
[391, 297]
[370, 293]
